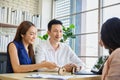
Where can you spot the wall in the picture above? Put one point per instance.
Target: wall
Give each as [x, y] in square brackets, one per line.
[42, 7]
[45, 8]
[25, 5]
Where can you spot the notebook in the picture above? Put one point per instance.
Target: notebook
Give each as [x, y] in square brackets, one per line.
[96, 69]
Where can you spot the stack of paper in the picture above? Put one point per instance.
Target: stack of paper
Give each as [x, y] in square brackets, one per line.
[50, 76]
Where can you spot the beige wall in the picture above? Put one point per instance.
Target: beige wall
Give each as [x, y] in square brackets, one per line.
[42, 7]
[24, 5]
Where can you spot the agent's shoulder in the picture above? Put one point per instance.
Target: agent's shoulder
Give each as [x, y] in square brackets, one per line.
[115, 53]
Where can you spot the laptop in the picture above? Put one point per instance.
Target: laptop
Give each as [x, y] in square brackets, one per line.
[96, 69]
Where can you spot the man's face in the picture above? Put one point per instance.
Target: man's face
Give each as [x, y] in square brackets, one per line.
[56, 32]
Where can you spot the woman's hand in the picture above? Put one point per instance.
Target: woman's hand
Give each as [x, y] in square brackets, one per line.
[49, 65]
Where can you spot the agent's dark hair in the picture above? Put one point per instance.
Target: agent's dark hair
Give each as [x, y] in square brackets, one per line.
[110, 34]
[52, 22]
[21, 30]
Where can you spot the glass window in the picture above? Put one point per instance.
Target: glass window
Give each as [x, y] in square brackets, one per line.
[62, 8]
[108, 14]
[89, 44]
[110, 2]
[89, 22]
[90, 62]
[90, 4]
[105, 51]
[84, 14]
[82, 5]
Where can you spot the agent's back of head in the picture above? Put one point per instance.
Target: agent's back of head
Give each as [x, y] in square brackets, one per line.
[110, 33]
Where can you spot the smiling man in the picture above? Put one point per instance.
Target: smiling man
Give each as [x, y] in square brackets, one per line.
[56, 52]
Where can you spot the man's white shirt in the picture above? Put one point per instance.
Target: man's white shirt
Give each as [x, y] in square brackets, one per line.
[62, 56]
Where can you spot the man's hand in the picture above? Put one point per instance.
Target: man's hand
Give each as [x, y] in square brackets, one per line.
[69, 67]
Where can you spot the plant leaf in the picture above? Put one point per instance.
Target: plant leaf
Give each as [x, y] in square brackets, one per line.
[45, 37]
[72, 26]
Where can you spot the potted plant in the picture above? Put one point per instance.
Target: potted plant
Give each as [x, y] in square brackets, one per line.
[67, 33]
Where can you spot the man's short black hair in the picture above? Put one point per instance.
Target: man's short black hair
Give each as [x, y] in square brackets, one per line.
[52, 22]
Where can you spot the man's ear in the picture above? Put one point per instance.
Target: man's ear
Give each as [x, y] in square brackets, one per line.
[48, 32]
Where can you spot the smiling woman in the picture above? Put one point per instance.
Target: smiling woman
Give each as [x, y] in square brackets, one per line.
[20, 53]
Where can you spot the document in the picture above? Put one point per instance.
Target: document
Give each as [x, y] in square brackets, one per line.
[50, 76]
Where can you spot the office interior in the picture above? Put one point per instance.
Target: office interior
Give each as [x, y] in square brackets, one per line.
[86, 15]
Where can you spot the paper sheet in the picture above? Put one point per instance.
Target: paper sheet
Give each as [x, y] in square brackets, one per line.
[50, 76]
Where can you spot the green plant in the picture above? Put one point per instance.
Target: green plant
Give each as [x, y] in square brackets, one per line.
[44, 37]
[67, 33]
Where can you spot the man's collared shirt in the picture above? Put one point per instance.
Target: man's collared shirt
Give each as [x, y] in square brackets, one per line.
[62, 56]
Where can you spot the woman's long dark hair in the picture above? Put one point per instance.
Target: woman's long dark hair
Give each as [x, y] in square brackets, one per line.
[110, 34]
[21, 30]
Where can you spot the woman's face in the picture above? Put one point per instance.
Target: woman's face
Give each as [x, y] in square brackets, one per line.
[30, 35]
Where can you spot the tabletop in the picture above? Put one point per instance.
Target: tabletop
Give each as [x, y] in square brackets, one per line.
[55, 76]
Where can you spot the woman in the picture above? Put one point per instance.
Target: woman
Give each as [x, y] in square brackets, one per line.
[110, 39]
[20, 54]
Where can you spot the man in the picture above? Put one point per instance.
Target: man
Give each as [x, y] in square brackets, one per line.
[53, 50]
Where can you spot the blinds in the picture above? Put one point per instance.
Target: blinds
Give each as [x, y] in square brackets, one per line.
[62, 9]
